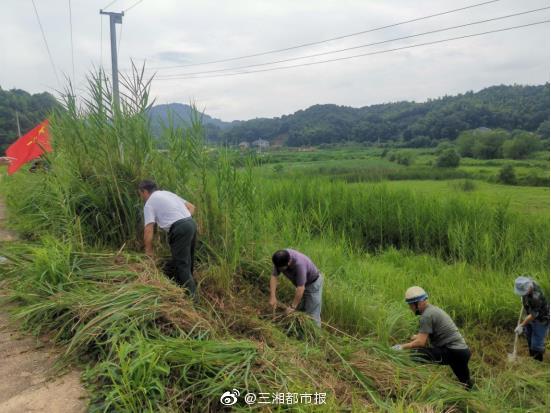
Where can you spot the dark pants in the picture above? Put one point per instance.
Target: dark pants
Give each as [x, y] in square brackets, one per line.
[181, 238]
[458, 360]
[536, 332]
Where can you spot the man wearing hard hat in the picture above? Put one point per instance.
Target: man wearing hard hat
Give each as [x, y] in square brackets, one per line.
[448, 347]
[536, 323]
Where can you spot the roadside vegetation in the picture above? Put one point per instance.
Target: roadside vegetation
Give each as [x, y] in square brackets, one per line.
[78, 274]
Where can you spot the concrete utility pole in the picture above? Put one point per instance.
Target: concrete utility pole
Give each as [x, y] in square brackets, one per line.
[114, 18]
[17, 122]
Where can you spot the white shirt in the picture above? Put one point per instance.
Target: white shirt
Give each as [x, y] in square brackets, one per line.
[164, 208]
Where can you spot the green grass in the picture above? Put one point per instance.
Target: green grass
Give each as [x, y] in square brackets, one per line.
[80, 275]
[520, 198]
[367, 164]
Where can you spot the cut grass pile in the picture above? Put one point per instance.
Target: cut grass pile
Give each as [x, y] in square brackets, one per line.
[148, 349]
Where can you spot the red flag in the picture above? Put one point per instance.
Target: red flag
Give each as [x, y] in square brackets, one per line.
[29, 147]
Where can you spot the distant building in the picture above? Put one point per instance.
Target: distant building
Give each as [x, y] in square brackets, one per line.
[244, 145]
[261, 144]
[482, 129]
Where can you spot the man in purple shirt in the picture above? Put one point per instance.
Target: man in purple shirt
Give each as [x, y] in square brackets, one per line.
[302, 272]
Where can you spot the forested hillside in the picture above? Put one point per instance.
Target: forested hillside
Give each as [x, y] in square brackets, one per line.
[32, 109]
[420, 124]
[415, 124]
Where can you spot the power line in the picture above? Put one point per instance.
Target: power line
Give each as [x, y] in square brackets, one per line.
[364, 54]
[354, 47]
[120, 38]
[109, 5]
[330, 39]
[131, 7]
[101, 42]
[71, 31]
[46, 43]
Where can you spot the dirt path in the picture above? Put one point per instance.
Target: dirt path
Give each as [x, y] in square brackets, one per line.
[27, 383]
[5, 235]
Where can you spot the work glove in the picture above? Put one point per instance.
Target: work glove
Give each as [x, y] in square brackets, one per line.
[519, 330]
[397, 347]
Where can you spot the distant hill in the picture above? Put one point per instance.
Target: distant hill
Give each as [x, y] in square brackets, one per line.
[507, 107]
[412, 123]
[419, 124]
[181, 115]
[32, 109]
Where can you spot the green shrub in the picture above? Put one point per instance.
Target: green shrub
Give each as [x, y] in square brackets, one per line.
[449, 158]
[521, 145]
[507, 175]
[402, 157]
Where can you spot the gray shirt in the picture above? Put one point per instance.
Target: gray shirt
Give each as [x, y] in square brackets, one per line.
[302, 270]
[441, 329]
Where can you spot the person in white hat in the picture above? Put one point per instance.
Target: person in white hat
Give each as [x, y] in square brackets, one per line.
[536, 324]
[448, 347]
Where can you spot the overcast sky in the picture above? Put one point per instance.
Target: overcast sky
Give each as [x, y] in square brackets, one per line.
[170, 32]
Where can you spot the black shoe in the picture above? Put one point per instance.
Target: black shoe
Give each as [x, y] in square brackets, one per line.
[538, 355]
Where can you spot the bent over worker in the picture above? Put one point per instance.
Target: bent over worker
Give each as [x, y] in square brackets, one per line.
[308, 281]
[174, 215]
[536, 323]
[448, 347]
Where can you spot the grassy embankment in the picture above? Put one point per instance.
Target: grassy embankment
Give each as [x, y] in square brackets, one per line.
[148, 348]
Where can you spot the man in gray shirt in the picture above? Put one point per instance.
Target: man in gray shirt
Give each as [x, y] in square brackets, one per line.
[448, 346]
[302, 272]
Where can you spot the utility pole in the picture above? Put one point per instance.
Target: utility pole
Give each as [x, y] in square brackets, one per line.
[17, 121]
[114, 18]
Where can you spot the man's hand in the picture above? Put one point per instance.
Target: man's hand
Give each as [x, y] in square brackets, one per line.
[519, 330]
[148, 232]
[289, 310]
[273, 302]
[397, 347]
[190, 207]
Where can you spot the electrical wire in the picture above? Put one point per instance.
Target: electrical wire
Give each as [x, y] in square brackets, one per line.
[72, 47]
[46, 44]
[120, 38]
[363, 54]
[101, 41]
[109, 5]
[131, 7]
[329, 39]
[355, 47]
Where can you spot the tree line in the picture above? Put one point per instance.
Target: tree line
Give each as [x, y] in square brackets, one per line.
[510, 109]
[415, 124]
[31, 110]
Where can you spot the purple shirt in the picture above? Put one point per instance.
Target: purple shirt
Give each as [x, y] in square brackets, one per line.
[302, 270]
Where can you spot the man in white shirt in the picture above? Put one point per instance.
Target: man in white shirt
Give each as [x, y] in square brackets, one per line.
[174, 215]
